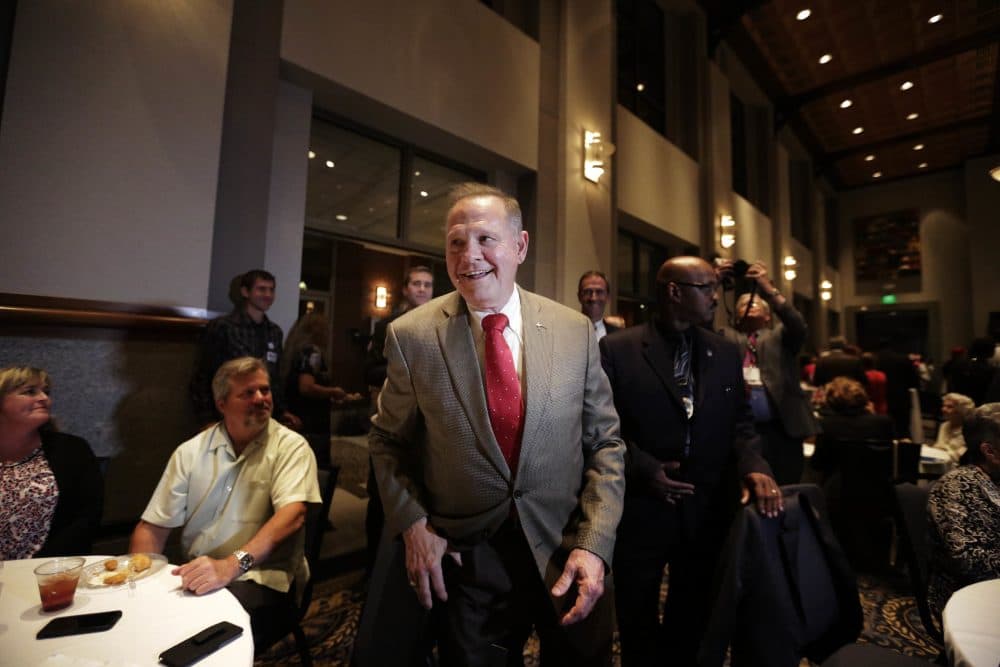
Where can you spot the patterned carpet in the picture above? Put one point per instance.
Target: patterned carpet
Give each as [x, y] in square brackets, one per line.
[891, 621]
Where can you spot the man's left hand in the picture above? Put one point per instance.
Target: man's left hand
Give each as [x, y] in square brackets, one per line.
[204, 575]
[766, 492]
[587, 570]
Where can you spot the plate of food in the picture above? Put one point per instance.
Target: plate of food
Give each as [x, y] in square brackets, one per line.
[112, 572]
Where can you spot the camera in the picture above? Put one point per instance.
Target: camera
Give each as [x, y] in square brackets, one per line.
[737, 277]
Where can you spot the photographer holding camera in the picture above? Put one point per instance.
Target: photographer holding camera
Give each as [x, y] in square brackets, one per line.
[782, 415]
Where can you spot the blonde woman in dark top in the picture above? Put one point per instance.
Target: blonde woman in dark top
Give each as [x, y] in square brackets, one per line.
[51, 490]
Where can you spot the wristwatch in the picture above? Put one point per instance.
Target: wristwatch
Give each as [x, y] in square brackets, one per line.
[244, 560]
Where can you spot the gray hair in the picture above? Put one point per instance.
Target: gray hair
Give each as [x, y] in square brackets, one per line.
[963, 404]
[474, 189]
[222, 382]
[982, 426]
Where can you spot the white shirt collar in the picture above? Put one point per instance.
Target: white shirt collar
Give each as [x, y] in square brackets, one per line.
[512, 309]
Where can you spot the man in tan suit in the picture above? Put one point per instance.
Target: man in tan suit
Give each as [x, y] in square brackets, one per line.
[498, 459]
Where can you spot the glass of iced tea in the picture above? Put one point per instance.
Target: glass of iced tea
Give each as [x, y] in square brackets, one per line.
[57, 581]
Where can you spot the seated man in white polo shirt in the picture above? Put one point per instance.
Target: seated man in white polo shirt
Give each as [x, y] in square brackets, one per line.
[239, 489]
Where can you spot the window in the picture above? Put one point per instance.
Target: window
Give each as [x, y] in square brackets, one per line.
[832, 229]
[750, 141]
[638, 262]
[738, 140]
[642, 61]
[355, 184]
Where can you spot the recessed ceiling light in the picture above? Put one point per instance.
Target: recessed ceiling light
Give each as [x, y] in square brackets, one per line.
[922, 165]
[312, 154]
[640, 87]
[913, 116]
[918, 147]
[858, 130]
[846, 104]
[906, 85]
[804, 14]
[869, 158]
[329, 164]
[935, 18]
[825, 58]
[877, 174]
[341, 217]
[416, 173]
[423, 193]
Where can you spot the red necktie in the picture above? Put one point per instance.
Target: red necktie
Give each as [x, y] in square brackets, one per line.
[503, 390]
[750, 356]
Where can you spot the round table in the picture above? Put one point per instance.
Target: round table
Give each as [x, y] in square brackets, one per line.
[972, 625]
[156, 614]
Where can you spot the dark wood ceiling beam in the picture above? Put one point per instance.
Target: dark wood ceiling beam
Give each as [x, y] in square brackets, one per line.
[920, 135]
[971, 42]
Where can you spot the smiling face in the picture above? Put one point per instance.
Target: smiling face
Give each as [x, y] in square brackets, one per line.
[259, 297]
[419, 289]
[483, 251]
[26, 407]
[593, 296]
[246, 409]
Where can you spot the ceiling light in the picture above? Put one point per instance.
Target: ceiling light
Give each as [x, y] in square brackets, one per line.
[423, 193]
[825, 58]
[858, 130]
[329, 164]
[804, 14]
[913, 116]
[918, 147]
[312, 154]
[877, 174]
[640, 87]
[869, 158]
[935, 18]
[846, 104]
[922, 165]
[341, 217]
[906, 85]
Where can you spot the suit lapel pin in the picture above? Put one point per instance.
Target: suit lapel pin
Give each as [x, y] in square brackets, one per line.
[538, 325]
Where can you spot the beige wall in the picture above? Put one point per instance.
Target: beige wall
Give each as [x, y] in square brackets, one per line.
[112, 122]
[657, 182]
[944, 236]
[452, 64]
[585, 237]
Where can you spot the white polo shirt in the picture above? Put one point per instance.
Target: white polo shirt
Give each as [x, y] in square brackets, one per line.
[222, 500]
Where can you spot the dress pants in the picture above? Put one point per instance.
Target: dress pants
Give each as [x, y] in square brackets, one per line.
[645, 640]
[269, 612]
[495, 598]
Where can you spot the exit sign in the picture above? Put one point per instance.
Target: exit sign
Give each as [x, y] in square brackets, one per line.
[888, 299]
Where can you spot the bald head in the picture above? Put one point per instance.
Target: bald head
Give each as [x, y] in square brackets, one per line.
[686, 292]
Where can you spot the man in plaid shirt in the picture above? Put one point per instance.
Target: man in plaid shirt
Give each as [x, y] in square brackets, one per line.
[245, 332]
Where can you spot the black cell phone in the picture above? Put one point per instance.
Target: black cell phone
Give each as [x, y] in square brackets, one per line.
[195, 648]
[80, 624]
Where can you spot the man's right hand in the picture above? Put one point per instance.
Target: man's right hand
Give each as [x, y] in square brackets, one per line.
[424, 551]
[670, 490]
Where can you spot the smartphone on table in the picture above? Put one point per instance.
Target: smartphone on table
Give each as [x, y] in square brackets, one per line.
[79, 624]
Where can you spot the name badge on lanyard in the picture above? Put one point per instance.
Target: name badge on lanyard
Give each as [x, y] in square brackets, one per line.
[272, 357]
[751, 375]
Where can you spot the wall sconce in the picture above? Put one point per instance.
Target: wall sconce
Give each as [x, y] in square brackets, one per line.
[825, 292]
[595, 151]
[302, 286]
[790, 264]
[381, 296]
[727, 233]
[995, 173]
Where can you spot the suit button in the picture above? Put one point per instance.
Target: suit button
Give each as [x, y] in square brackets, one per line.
[518, 494]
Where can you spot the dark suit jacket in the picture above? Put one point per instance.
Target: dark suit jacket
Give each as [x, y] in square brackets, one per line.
[610, 328]
[724, 444]
[777, 358]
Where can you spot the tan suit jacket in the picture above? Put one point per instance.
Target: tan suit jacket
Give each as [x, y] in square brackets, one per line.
[435, 454]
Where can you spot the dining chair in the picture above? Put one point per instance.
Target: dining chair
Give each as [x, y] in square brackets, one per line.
[911, 526]
[315, 526]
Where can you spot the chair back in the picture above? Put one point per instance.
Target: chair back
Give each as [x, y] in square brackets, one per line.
[911, 526]
[315, 525]
[905, 461]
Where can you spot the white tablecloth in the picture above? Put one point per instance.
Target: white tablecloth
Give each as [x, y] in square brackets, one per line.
[932, 461]
[972, 625]
[155, 616]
